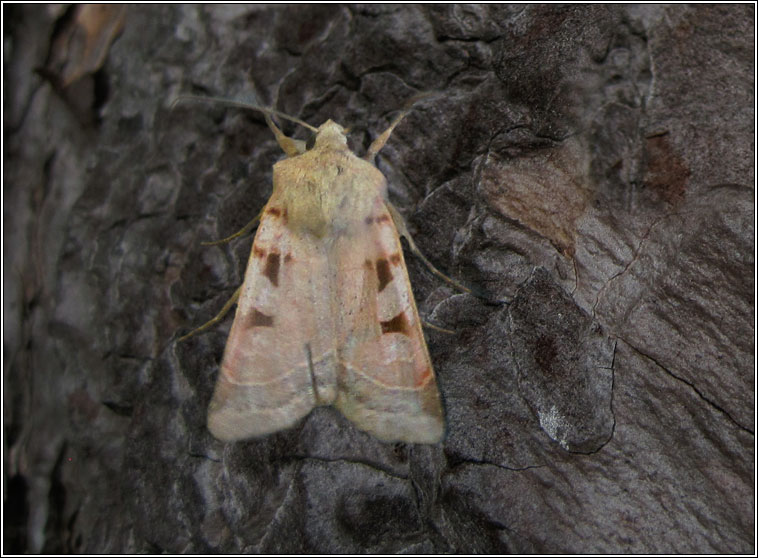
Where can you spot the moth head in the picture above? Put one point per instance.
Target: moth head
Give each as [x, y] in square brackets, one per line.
[329, 135]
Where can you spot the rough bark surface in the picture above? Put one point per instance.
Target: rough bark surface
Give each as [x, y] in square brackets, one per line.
[588, 168]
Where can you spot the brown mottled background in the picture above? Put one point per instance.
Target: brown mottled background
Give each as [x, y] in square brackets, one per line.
[589, 168]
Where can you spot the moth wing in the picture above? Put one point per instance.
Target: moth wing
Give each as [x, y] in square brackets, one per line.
[387, 385]
[279, 361]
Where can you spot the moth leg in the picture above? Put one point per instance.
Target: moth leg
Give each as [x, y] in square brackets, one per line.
[437, 328]
[247, 229]
[402, 229]
[220, 316]
[290, 146]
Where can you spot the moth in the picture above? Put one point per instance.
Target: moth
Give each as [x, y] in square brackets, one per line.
[326, 315]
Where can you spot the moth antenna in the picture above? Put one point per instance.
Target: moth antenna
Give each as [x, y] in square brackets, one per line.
[379, 142]
[238, 104]
[418, 97]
